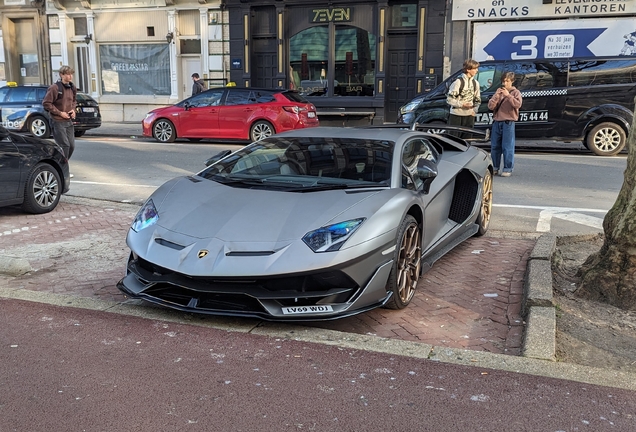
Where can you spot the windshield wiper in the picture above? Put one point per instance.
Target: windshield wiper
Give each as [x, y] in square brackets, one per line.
[334, 186]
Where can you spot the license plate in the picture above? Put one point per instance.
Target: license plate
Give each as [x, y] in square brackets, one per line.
[298, 310]
[311, 114]
[88, 109]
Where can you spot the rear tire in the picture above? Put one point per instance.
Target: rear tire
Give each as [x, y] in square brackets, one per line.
[261, 129]
[163, 130]
[405, 272]
[485, 211]
[42, 190]
[79, 133]
[606, 139]
[39, 127]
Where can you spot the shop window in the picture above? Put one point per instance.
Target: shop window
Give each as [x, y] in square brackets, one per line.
[354, 69]
[135, 69]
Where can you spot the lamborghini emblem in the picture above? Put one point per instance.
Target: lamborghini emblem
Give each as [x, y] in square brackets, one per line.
[203, 253]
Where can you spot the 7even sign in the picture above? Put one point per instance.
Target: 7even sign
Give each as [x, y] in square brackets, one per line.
[564, 39]
[340, 14]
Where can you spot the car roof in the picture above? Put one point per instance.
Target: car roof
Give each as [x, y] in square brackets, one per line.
[273, 90]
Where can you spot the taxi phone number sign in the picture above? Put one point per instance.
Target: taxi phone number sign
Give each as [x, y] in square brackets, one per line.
[540, 116]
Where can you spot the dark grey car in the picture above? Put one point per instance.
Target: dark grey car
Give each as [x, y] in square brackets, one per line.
[34, 172]
[21, 110]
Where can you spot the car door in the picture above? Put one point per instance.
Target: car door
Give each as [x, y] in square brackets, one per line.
[10, 168]
[20, 101]
[436, 202]
[200, 115]
[237, 113]
[543, 88]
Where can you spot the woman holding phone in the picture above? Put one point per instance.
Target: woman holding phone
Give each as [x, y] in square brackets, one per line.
[505, 105]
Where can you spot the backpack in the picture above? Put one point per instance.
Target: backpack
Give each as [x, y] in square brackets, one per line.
[60, 90]
[462, 84]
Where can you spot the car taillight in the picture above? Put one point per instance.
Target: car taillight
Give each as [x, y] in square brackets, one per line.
[292, 109]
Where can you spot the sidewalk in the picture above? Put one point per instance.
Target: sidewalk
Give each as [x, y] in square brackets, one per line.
[471, 299]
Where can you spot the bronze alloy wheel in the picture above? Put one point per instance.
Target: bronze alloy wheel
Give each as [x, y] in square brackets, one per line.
[485, 212]
[406, 267]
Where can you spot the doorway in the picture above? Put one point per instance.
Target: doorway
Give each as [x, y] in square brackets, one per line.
[189, 65]
[402, 60]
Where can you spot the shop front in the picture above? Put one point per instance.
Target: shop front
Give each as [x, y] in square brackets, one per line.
[356, 62]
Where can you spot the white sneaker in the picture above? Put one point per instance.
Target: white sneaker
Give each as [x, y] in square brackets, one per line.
[506, 174]
[71, 175]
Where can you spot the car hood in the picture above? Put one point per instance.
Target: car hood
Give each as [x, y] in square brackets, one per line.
[202, 208]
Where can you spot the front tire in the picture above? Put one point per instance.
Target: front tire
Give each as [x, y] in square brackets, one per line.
[261, 129]
[483, 219]
[43, 190]
[79, 133]
[163, 130]
[39, 127]
[405, 272]
[606, 139]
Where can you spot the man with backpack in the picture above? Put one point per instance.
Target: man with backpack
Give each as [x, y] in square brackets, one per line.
[60, 101]
[197, 85]
[464, 96]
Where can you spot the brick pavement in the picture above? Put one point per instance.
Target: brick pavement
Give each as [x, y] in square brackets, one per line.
[470, 299]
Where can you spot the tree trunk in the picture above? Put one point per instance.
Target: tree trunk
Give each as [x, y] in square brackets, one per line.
[610, 274]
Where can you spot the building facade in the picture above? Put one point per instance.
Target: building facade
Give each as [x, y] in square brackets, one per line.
[23, 42]
[357, 61]
[135, 55]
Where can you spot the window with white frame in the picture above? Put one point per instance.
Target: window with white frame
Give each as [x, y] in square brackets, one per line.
[135, 69]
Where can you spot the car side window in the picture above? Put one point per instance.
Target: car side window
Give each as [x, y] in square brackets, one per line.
[262, 97]
[486, 77]
[22, 94]
[208, 98]
[41, 92]
[238, 97]
[538, 75]
[601, 72]
[3, 93]
[412, 152]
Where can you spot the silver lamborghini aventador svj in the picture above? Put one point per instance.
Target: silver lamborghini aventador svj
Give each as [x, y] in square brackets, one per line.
[310, 224]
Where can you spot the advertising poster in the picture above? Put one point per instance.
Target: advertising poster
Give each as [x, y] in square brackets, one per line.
[563, 39]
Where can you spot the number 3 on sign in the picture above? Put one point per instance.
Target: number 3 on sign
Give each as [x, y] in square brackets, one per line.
[530, 46]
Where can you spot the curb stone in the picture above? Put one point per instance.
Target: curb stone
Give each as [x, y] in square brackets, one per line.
[537, 306]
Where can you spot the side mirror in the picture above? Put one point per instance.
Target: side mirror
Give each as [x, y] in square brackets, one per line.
[426, 171]
[217, 157]
[187, 106]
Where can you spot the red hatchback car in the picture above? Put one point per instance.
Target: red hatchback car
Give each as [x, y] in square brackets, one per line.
[231, 113]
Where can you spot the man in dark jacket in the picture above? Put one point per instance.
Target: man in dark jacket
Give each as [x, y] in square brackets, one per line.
[60, 102]
[197, 85]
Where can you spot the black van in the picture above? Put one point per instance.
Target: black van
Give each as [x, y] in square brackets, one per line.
[591, 100]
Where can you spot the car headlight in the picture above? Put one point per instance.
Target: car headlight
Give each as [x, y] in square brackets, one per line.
[332, 237]
[146, 216]
[411, 106]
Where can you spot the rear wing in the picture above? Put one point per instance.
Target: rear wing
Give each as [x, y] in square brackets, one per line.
[459, 134]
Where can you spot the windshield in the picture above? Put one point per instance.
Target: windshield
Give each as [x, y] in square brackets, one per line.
[306, 164]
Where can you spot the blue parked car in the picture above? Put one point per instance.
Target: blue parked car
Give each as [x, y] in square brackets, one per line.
[21, 110]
